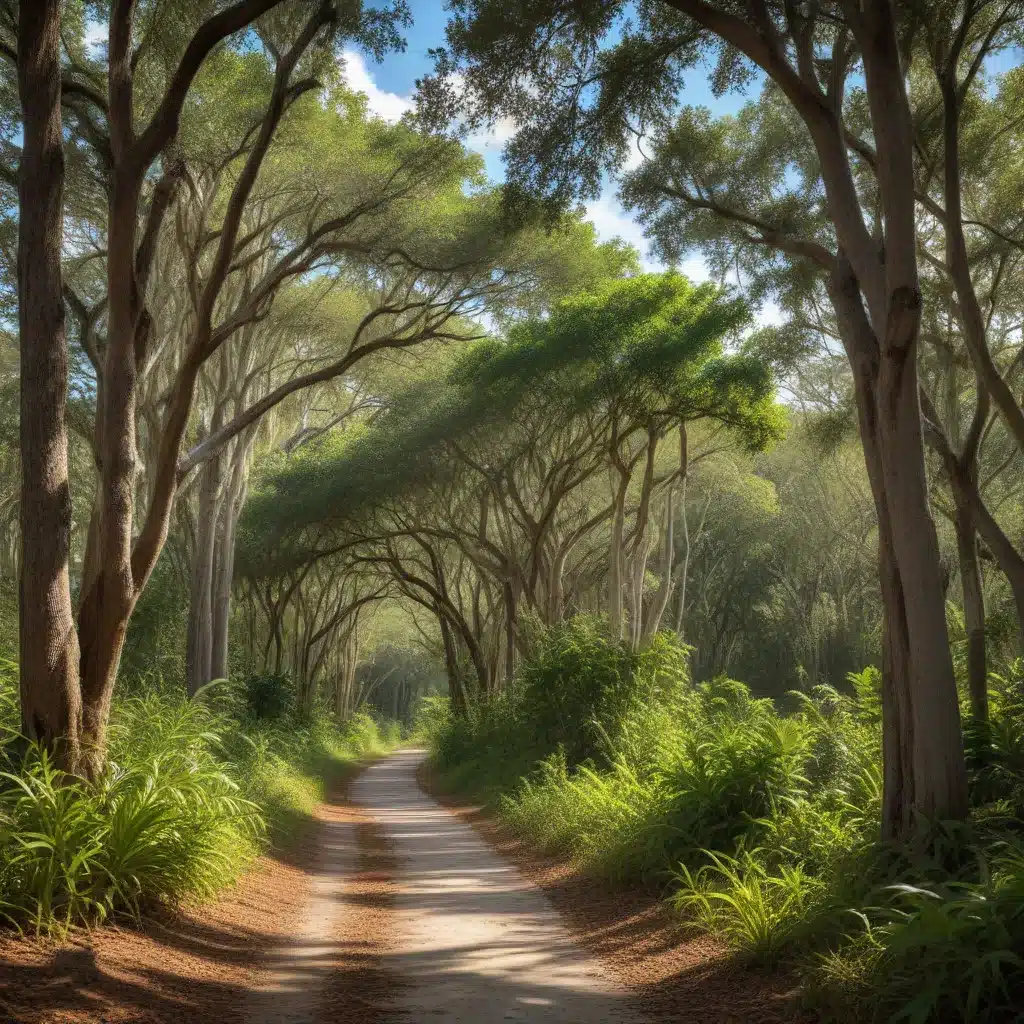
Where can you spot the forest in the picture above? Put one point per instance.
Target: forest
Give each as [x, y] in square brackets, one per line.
[691, 553]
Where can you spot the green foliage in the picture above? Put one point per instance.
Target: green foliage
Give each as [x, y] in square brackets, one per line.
[867, 685]
[995, 749]
[580, 689]
[432, 717]
[611, 755]
[651, 346]
[189, 795]
[740, 899]
[763, 823]
[269, 696]
[8, 619]
[934, 952]
[783, 579]
[156, 640]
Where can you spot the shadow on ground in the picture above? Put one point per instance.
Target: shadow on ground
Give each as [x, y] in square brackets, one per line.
[209, 965]
[245, 960]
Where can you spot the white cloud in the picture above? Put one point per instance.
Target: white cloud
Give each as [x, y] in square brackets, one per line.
[770, 315]
[636, 154]
[387, 105]
[392, 105]
[494, 138]
[95, 34]
[611, 221]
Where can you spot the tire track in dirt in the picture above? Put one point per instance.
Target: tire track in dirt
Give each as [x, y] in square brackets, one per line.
[359, 987]
[478, 942]
[331, 969]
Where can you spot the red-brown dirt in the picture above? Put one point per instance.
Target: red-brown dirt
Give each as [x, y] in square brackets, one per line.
[204, 964]
[208, 964]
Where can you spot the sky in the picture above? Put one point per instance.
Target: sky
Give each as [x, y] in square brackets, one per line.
[390, 84]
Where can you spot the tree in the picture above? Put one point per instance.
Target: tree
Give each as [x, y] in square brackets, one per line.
[579, 103]
[419, 267]
[483, 494]
[50, 701]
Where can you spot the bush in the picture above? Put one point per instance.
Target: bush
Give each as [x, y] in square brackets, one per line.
[756, 910]
[580, 688]
[939, 952]
[166, 821]
[270, 697]
[763, 823]
[191, 791]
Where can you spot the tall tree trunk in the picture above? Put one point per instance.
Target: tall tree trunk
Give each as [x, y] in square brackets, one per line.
[929, 777]
[660, 600]
[924, 768]
[974, 621]
[974, 607]
[939, 777]
[108, 601]
[616, 555]
[199, 656]
[1009, 560]
[456, 694]
[509, 600]
[935, 779]
[51, 706]
[684, 572]
[225, 570]
[640, 548]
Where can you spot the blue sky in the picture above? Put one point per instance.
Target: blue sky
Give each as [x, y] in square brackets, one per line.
[390, 85]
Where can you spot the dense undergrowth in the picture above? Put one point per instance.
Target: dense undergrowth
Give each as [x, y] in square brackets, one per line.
[193, 790]
[761, 822]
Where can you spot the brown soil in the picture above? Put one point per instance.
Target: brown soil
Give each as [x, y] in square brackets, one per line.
[677, 976]
[359, 986]
[204, 964]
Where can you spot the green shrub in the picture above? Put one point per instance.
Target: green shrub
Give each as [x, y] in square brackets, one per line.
[190, 792]
[762, 822]
[270, 696]
[756, 910]
[580, 688]
[431, 717]
[940, 952]
[166, 821]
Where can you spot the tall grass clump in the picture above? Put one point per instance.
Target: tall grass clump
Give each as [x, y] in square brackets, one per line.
[191, 792]
[950, 950]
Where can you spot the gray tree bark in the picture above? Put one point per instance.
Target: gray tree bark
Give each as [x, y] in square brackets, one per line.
[199, 653]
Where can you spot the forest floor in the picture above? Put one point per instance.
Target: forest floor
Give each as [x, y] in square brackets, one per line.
[392, 906]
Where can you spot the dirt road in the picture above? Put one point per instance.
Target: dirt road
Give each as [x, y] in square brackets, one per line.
[389, 908]
[473, 940]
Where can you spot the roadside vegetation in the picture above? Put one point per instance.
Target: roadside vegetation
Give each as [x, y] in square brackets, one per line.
[194, 790]
[757, 819]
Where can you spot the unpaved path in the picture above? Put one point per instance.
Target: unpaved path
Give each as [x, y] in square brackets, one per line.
[391, 909]
[299, 968]
[473, 940]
